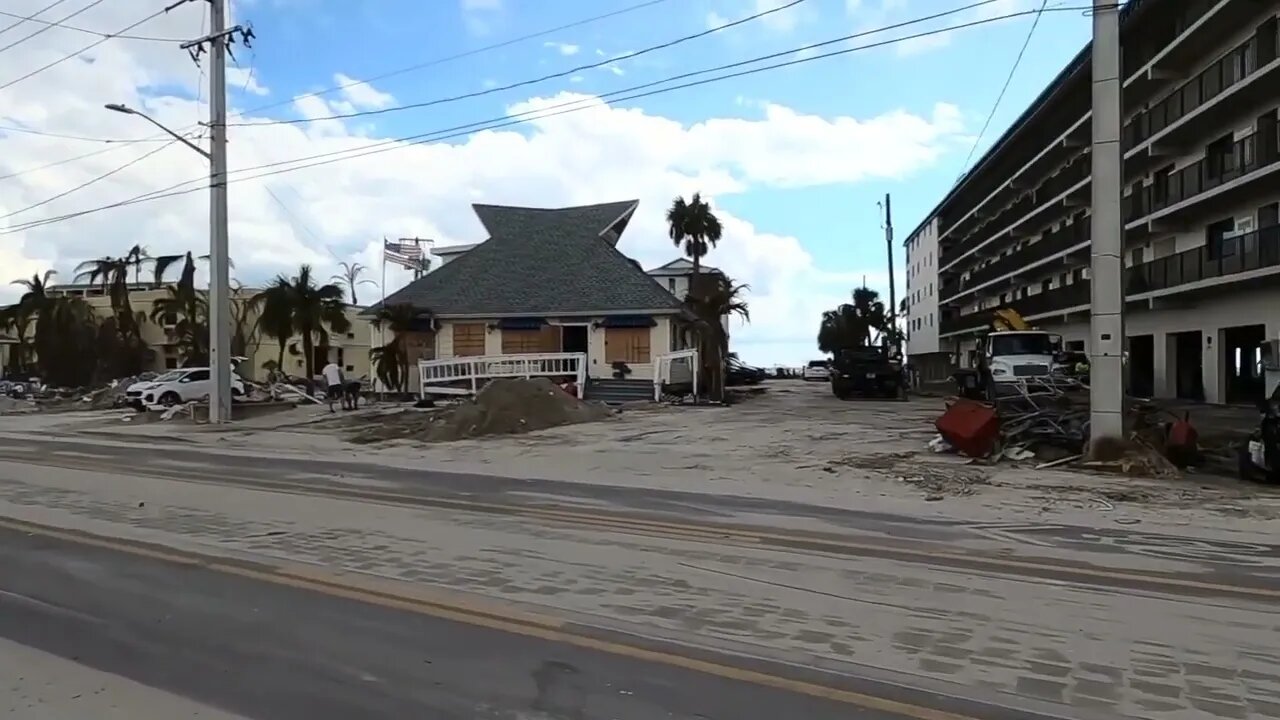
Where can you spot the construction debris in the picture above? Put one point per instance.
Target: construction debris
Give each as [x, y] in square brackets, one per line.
[502, 407]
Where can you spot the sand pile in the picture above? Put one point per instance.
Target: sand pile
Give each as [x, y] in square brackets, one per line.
[503, 407]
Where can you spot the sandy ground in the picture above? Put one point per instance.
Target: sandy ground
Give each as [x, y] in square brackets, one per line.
[1167, 656]
[795, 442]
[40, 686]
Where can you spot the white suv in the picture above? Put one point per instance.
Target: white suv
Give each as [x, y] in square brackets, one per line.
[817, 370]
[176, 387]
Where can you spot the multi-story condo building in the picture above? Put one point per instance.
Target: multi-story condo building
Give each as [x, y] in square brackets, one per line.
[1201, 90]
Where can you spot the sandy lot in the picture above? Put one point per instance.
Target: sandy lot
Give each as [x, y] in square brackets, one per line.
[795, 442]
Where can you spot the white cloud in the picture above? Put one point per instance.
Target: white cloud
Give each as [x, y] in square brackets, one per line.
[479, 15]
[245, 80]
[342, 210]
[362, 95]
[565, 49]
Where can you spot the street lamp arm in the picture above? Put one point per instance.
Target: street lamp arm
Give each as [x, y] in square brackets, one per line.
[116, 107]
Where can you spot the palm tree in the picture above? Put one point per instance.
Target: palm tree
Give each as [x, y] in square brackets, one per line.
[297, 306]
[243, 332]
[68, 342]
[712, 298]
[693, 226]
[113, 273]
[20, 316]
[187, 309]
[860, 324]
[350, 278]
[391, 361]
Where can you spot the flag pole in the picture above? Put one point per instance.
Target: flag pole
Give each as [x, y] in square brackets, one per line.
[382, 326]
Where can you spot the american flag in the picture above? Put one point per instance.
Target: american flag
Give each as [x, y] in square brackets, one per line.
[405, 253]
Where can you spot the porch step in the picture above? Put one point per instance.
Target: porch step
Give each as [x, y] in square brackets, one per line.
[616, 392]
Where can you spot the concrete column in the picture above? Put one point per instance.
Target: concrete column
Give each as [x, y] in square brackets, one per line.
[1163, 366]
[1214, 378]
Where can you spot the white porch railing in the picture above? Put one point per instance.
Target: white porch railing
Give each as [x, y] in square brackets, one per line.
[678, 367]
[465, 375]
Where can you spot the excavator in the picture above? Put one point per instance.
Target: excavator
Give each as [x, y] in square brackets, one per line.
[1012, 351]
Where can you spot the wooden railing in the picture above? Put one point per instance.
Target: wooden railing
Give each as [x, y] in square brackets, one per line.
[679, 367]
[466, 375]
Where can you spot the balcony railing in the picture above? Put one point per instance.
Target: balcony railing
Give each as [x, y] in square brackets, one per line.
[1233, 68]
[1065, 179]
[1050, 244]
[1256, 250]
[1140, 48]
[1230, 256]
[1214, 170]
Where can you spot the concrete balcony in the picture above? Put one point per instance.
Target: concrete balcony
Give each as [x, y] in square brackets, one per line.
[1177, 40]
[1040, 257]
[1251, 259]
[1244, 77]
[1201, 186]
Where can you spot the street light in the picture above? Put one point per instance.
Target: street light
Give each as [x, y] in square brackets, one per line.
[126, 110]
[219, 287]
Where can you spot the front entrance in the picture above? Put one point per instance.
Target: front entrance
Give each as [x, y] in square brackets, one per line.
[1188, 365]
[1242, 363]
[1142, 365]
[575, 339]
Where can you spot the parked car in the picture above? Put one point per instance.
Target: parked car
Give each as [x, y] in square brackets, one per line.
[867, 372]
[740, 373]
[176, 387]
[817, 370]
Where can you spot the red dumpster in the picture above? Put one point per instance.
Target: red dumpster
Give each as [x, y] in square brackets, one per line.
[972, 428]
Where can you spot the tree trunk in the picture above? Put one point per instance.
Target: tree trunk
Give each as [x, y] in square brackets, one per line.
[308, 359]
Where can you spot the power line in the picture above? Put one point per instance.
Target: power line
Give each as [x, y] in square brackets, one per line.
[565, 108]
[86, 48]
[65, 136]
[461, 55]
[87, 183]
[533, 81]
[60, 24]
[1044, 5]
[506, 121]
[434, 62]
[22, 19]
[56, 163]
[46, 28]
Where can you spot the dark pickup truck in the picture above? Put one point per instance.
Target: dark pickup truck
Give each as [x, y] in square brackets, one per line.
[866, 372]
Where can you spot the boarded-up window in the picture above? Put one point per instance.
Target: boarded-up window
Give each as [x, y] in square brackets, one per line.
[543, 340]
[468, 340]
[420, 346]
[630, 345]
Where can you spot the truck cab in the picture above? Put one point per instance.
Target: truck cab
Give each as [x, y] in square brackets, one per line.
[1012, 355]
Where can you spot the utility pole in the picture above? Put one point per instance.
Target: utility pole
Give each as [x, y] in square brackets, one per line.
[1106, 364]
[217, 43]
[893, 290]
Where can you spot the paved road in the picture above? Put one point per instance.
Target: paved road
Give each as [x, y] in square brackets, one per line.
[1219, 566]
[259, 649]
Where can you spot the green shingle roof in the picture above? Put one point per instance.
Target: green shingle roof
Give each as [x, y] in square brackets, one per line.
[541, 262]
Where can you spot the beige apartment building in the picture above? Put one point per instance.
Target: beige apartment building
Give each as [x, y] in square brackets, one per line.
[350, 349]
[1201, 90]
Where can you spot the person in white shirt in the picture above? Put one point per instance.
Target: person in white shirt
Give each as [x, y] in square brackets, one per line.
[333, 378]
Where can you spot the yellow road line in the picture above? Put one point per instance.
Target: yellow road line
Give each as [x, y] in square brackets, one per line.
[500, 620]
[815, 543]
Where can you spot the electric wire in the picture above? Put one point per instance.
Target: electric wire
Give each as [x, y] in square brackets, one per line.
[564, 108]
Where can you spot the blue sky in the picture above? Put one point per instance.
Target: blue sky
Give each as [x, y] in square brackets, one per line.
[302, 43]
[799, 187]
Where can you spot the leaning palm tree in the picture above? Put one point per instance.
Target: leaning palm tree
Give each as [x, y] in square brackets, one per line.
[694, 227]
[21, 316]
[391, 361]
[350, 278]
[188, 309]
[711, 299]
[307, 310]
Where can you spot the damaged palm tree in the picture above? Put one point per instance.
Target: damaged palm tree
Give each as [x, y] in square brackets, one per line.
[391, 361]
[714, 297]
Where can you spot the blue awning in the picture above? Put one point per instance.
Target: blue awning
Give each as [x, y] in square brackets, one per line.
[628, 321]
[521, 323]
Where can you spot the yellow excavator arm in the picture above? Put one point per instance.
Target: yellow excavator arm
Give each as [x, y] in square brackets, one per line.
[1005, 319]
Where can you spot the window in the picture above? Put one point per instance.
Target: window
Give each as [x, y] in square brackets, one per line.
[1136, 258]
[196, 376]
[930, 319]
[629, 345]
[671, 284]
[468, 340]
[171, 363]
[545, 339]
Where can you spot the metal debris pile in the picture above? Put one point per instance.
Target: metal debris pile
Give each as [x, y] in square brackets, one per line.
[1047, 420]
